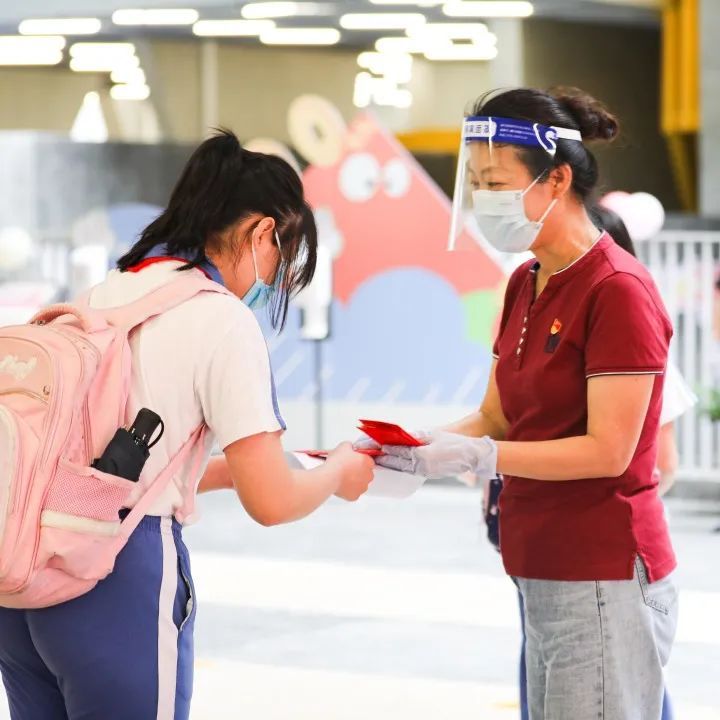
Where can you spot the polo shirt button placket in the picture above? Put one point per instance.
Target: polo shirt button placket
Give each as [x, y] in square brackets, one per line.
[518, 352]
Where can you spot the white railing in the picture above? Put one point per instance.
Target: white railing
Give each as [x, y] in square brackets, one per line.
[685, 265]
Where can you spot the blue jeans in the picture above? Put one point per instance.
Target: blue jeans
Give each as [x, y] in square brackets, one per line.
[626, 677]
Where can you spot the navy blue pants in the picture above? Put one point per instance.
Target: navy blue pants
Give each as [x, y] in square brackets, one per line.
[123, 651]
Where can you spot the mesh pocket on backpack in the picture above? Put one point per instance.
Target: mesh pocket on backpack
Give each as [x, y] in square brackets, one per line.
[85, 492]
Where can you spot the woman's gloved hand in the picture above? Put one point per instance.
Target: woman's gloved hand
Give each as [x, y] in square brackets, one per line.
[367, 443]
[446, 455]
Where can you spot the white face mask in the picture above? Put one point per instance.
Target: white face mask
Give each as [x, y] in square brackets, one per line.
[502, 218]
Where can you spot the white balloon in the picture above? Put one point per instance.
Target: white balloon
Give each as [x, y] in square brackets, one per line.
[16, 248]
[644, 216]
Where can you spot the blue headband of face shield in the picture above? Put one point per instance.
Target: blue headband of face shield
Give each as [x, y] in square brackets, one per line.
[516, 132]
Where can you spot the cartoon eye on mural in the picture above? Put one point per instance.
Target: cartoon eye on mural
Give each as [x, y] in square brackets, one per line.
[410, 322]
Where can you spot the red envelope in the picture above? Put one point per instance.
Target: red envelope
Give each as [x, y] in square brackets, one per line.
[388, 434]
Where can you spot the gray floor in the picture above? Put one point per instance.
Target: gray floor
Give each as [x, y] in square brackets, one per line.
[388, 609]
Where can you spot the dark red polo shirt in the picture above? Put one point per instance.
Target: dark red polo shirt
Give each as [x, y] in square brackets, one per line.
[600, 316]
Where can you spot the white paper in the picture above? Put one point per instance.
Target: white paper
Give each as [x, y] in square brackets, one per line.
[394, 484]
[387, 483]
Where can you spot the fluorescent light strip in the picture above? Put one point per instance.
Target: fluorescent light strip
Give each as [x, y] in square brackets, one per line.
[461, 53]
[61, 26]
[91, 49]
[232, 28]
[488, 8]
[301, 36]
[157, 16]
[451, 31]
[264, 10]
[129, 92]
[381, 21]
[25, 50]
[419, 3]
[395, 66]
[399, 45]
[128, 75]
[104, 64]
[22, 42]
[24, 59]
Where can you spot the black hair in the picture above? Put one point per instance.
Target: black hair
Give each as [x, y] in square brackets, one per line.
[222, 184]
[561, 107]
[614, 226]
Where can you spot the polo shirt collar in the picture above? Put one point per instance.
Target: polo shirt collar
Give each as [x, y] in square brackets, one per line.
[576, 267]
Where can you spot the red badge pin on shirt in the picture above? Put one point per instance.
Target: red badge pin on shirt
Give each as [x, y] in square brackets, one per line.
[553, 339]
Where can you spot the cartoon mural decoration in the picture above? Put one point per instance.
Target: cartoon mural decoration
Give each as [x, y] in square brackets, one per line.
[410, 322]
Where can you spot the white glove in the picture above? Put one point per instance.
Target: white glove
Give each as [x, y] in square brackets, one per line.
[447, 455]
[366, 443]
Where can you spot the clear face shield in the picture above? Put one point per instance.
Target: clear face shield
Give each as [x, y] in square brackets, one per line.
[486, 197]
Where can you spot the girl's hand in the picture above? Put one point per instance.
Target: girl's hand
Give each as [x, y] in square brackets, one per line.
[355, 471]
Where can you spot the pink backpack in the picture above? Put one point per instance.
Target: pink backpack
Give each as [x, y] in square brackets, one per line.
[64, 384]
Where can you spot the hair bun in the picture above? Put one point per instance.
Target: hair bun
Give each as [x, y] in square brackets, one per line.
[595, 121]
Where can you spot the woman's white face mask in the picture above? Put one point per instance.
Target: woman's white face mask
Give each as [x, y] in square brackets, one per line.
[502, 218]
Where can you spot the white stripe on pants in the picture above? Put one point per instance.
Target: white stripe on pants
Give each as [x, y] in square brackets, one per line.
[167, 631]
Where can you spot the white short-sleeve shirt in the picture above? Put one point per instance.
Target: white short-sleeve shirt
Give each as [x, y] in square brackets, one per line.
[678, 398]
[203, 361]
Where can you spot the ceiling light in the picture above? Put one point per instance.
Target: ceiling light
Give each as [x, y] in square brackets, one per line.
[301, 36]
[419, 3]
[62, 26]
[395, 66]
[129, 92]
[158, 16]
[431, 32]
[98, 49]
[104, 64]
[128, 75]
[262, 10]
[488, 8]
[399, 45]
[461, 53]
[362, 93]
[24, 50]
[232, 28]
[381, 21]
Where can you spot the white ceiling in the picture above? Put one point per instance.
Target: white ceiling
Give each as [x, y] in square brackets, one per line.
[608, 11]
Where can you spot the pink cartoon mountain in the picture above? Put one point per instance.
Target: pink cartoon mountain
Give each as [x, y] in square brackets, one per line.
[391, 215]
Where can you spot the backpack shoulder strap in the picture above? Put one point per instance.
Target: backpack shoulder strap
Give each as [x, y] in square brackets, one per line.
[89, 320]
[127, 317]
[192, 448]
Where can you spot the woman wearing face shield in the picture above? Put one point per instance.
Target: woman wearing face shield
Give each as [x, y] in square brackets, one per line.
[570, 415]
[124, 651]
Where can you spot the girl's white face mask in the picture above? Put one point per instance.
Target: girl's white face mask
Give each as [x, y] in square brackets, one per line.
[502, 218]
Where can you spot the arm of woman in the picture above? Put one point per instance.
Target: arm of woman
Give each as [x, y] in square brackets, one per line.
[617, 406]
[489, 419]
